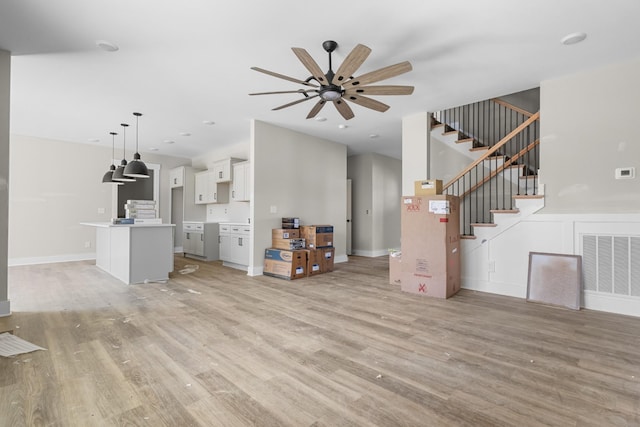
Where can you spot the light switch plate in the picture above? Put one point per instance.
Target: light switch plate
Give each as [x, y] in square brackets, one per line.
[625, 173]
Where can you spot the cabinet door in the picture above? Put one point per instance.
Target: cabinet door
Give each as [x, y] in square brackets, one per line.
[198, 243]
[239, 192]
[201, 187]
[187, 246]
[225, 247]
[222, 170]
[176, 177]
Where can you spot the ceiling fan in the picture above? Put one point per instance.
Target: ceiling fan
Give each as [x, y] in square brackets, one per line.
[341, 86]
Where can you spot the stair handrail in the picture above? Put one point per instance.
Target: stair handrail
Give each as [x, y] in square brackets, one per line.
[512, 107]
[495, 148]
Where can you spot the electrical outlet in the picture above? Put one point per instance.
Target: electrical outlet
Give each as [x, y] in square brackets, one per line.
[100, 210]
[492, 266]
[87, 244]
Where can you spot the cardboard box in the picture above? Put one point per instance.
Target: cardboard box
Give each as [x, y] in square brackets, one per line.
[327, 255]
[428, 187]
[315, 264]
[430, 235]
[395, 258]
[317, 236]
[285, 233]
[290, 244]
[285, 264]
[291, 223]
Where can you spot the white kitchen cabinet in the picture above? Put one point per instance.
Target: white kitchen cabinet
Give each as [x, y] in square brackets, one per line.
[208, 190]
[176, 177]
[201, 240]
[235, 245]
[241, 180]
[222, 169]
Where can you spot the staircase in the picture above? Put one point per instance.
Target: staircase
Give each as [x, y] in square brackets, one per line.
[500, 186]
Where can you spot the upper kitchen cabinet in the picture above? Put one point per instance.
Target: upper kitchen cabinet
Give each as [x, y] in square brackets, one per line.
[241, 182]
[222, 169]
[176, 175]
[208, 190]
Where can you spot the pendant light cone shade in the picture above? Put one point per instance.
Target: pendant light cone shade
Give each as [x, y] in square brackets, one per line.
[118, 175]
[136, 168]
[108, 176]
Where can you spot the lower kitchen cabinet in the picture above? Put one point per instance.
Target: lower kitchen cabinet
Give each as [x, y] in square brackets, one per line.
[235, 245]
[200, 240]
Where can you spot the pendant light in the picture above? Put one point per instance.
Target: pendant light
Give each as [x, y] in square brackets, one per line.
[108, 176]
[118, 175]
[136, 168]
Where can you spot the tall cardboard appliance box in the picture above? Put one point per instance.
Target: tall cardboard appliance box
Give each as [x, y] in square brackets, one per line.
[430, 233]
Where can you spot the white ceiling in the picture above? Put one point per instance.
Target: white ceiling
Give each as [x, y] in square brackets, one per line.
[184, 62]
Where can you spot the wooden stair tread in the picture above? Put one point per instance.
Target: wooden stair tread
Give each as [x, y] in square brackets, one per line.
[450, 132]
[463, 140]
[529, 177]
[529, 196]
[468, 236]
[483, 148]
[509, 211]
[483, 224]
[437, 125]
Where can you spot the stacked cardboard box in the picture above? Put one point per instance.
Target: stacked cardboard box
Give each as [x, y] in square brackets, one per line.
[430, 232]
[290, 223]
[140, 209]
[291, 256]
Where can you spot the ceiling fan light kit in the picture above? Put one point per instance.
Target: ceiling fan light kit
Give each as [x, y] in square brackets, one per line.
[341, 86]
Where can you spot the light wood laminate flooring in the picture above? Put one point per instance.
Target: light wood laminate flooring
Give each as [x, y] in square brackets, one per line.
[215, 347]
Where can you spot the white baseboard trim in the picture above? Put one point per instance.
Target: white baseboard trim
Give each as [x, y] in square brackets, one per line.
[506, 289]
[629, 306]
[5, 308]
[51, 259]
[341, 258]
[371, 254]
[178, 249]
[255, 271]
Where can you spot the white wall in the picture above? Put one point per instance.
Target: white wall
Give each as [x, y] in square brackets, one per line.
[415, 139]
[296, 175]
[5, 74]
[56, 185]
[588, 128]
[377, 184]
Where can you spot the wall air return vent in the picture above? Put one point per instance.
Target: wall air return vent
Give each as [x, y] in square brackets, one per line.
[611, 264]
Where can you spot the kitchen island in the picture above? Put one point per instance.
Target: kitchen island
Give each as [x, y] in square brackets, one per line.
[134, 253]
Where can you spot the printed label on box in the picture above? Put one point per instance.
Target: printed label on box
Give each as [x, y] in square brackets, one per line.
[299, 270]
[315, 267]
[439, 207]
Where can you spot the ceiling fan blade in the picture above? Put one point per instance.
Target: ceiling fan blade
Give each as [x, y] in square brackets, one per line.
[282, 76]
[310, 64]
[380, 90]
[316, 109]
[380, 74]
[367, 102]
[284, 91]
[344, 109]
[351, 63]
[293, 103]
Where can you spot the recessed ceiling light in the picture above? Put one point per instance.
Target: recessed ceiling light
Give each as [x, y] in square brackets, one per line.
[106, 46]
[573, 38]
[342, 126]
[153, 148]
[208, 122]
[169, 141]
[185, 134]
[374, 135]
[320, 119]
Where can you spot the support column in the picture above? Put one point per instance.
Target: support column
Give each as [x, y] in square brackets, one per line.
[5, 74]
[416, 136]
